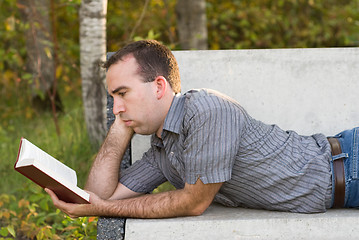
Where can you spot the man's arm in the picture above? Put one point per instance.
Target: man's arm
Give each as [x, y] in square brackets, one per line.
[103, 176]
[193, 200]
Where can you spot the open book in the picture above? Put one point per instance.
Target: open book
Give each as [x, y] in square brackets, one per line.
[50, 173]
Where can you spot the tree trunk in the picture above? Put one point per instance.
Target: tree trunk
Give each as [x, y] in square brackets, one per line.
[41, 54]
[93, 53]
[192, 24]
[39, 45]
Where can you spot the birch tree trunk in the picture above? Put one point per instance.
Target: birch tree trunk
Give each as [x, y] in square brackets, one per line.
[93, 53]
[192, 24]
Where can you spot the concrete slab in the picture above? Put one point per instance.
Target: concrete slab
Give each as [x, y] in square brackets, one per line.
[224, 223]
[308, 90]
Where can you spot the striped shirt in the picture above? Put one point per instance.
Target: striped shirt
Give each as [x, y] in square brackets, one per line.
[209, 136]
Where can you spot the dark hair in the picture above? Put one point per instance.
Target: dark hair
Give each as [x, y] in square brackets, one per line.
[154, 59]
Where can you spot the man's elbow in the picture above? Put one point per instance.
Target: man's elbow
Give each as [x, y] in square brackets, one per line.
[105, 195]
[198, 209]
[196, 212]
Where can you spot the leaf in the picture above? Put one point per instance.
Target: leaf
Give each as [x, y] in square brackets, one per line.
[58, 71]
[23, 203]
[48, 52]
[27, 77]
[5, 198]
[10, 24]
[6, 215]
[40, 235]
[11, 230]
[91, 219]
[44, 204]
[4, 232]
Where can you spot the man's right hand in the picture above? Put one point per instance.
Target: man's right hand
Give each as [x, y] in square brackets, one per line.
[119, 125]
[103, 176]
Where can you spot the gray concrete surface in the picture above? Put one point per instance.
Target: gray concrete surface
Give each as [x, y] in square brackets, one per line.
[306, 90]
[221, 223]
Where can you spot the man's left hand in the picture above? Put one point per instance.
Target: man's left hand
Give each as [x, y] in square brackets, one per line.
[74, 210]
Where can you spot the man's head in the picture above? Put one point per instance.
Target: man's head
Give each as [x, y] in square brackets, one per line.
[154, 59]
[137, 80]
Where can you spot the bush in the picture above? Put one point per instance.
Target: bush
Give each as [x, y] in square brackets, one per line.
[34, 217]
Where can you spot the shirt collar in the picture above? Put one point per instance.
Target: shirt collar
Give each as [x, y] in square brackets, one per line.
[173, 121]
[174, 118]
[156, 141]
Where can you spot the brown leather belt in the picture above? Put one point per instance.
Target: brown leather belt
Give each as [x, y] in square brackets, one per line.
[339, 177]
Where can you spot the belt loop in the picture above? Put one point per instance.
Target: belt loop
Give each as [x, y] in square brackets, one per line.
[339, 156]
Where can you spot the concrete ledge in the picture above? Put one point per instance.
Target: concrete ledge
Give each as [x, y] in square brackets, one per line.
[224, 223]
[306, 90]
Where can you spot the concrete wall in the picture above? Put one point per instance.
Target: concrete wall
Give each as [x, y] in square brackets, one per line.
[306, 90]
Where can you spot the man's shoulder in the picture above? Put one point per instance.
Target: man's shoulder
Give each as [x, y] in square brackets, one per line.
[205, 99]
[202, 93]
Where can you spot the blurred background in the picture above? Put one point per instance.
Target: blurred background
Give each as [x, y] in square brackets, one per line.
[52, 88]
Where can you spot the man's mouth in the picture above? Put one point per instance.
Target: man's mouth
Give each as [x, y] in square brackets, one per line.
[127, 122]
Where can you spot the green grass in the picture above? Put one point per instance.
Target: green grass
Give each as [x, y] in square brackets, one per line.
[26, 210]
[72, 147]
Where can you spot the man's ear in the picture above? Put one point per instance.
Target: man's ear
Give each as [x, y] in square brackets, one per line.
[161, 86]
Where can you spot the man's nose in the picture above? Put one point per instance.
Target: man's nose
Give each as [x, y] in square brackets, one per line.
[118, 106]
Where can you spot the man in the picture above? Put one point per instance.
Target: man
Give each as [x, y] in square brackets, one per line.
[209, 148]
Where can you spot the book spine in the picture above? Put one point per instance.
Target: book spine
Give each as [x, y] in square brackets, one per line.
[18, 153]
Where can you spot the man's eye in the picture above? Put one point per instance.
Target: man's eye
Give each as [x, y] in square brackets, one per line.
[122, 94]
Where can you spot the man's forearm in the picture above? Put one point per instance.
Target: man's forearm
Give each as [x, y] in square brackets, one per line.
[193, 200]
[103, 176]
[162, 205]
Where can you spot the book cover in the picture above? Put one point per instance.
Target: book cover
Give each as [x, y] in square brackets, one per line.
[48, 172]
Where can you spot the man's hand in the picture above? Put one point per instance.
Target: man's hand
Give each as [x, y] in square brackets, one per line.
[74, 210]
[103, 176]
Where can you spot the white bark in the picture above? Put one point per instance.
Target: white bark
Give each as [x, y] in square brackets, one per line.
[93, 52]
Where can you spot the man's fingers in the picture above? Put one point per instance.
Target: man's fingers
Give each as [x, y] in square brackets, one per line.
[54, 198]
[59, 204]
[75, 210]
[52, 195]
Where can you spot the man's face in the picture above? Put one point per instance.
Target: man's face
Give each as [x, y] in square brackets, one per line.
[134, 100]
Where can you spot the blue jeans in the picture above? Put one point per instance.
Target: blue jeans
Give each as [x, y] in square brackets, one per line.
[349, 142]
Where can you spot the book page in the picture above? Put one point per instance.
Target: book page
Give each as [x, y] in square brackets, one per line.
[31, 153]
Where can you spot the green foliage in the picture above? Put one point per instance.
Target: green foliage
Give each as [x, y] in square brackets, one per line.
[167, 186]
[238, 24]
[15, 90]
[26, 210]
[12, 61]
[158, 22]
[29, 218]
[282, 24]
